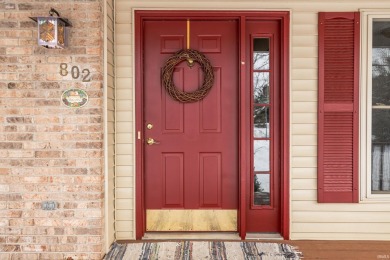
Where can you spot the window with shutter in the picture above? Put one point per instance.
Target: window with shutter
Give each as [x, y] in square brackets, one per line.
[338, 105]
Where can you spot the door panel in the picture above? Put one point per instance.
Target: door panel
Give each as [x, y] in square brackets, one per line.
[173, 112]
[173, 175]
[194, 165]
[210, 179]
[210, 108]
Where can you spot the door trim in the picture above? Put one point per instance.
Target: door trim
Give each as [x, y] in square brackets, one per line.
[244, 158]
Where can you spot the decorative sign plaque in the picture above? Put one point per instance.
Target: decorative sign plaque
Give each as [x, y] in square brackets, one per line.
[74, 98]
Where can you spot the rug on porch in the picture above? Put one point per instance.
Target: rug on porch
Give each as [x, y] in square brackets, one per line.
[214, 250]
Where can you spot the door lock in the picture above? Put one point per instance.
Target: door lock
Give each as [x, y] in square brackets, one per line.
[149, 126]
[151, 141]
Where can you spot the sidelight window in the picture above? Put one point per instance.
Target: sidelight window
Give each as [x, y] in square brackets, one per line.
[261, 122]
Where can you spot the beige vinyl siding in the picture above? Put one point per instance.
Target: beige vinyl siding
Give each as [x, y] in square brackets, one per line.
[309, 220]
[125, 204]
[110, 132]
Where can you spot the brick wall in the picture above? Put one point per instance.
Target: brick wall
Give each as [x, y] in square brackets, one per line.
[49, 152]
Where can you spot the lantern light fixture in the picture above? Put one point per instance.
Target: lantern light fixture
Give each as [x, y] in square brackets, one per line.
[52, 31]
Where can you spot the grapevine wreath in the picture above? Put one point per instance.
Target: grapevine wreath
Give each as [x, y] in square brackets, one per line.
[190, 56]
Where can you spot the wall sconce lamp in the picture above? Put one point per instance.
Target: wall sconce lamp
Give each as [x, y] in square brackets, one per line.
[52, 31]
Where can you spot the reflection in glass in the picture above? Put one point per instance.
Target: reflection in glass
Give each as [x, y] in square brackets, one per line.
[380, 133]
[380, 171]
[381, 63]
[261, 122]
[380, 57]
[261, 87]
[380, 126]
[380, 76]
[261, 189]
[261, 54]
[261, 155]
[380, 158]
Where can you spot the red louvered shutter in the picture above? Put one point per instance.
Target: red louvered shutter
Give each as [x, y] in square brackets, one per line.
[338, 104]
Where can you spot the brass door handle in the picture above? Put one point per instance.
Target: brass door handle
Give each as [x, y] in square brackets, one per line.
[151, 141]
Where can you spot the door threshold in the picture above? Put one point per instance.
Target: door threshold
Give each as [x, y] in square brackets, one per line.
[263, 236]
[191, 235]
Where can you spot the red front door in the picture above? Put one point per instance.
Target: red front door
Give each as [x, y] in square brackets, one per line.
[193, 164]
[227, 152]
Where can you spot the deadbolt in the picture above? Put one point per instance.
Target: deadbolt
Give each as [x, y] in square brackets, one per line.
[149, 126]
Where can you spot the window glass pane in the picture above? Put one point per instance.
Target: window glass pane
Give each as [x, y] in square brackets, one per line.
[262, 189]
[261, 122]
[380, 126]
[380, 179]
[380, 158]
[381, 63]
[261, 87]
[381, 76]
[380, 130]
[261, 155]
[261, 54]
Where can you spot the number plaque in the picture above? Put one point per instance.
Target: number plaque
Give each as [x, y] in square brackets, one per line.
[74, 98]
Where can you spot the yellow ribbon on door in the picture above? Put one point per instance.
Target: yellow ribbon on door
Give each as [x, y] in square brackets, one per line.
[188, 33]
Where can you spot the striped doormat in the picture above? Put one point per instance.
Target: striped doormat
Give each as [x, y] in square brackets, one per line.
[202, 250]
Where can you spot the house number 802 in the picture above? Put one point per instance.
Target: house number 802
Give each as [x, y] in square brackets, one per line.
[75, 72]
